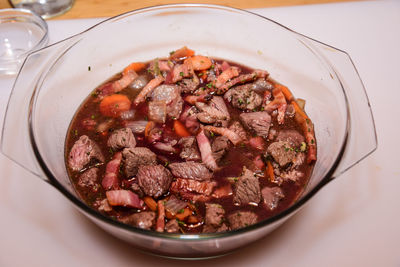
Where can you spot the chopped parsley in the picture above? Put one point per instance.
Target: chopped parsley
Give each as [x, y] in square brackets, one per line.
[209, 85]
[181, 210]
[92, 117]
[171, 53]
[181, 73]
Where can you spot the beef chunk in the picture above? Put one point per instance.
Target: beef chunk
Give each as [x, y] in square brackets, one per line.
[158, 111]
[172, 226]
[172, 96]
[190, 170]
[258, 122]
[144, 220]
[293, 137]
[190, 150]
[214, 112]
[261, 85]
[82, 152]
[247, 189]
[242, 219]
[219, 147]
[282, 152]
[189, 85]
[121, 138]
[88, 179]
[189, 185]
[214, 215]
[237, 127]
[154, 180]
[271, 196]
[243, 97]
[134, 157]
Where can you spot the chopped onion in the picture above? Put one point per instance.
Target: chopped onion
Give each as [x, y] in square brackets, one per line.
[137, 126]
[301, 103]
[104, 126]
[174, 205]
[127, 115]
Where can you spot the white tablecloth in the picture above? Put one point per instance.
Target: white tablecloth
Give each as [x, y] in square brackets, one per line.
[354, 221]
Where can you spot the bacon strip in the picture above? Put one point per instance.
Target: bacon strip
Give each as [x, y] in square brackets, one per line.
[190, 185]
[205, 151]
[110, 179]
[242, 79]
[279, 103]
[226, 75]
[231, 135]
[118, 85]
[123, 198]
[149, 87]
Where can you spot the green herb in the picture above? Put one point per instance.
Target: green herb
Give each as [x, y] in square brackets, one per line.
[88, 153]
[212, 134]
[89, 68]
[92, 117]
[209, 85]
[95, 94]
[171, 53]
[240, 101]
[262, 108]
[181, 210]
[212, 66]
[243, 145]
[180, 222]
[111, 150]
[307, 120]
[200, 74]
[312, 141]
[76, 132]
[181, 73]
[166, 163]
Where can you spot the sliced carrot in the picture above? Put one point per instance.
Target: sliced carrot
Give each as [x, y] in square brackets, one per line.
[199, 62]
[270, 171]
[181, 216]
[135, 66]
[299, 111]
[150, 202]
[181, 53]
[193, 219]
[149, 126]
[169, 215]
[180, 129]
[286, 92]
[114, 105]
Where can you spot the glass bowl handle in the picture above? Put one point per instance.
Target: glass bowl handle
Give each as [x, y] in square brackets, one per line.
[15, 140]
[361, 137]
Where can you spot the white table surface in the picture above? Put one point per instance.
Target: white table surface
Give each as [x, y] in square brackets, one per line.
[354, 221]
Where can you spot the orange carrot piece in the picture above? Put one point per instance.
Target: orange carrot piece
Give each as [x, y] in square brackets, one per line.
[270, 171]
[114, 105]
[203, 75]
[169, 215]
[181, 53]
[149, 126]
[199, 62]
[299, 110]
[135, 66]
[286, 92]
[181, 216]
[180, 129]
[192, 219]
[150, 202]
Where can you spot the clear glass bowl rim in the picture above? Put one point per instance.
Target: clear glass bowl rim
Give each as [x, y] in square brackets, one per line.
[187, 237]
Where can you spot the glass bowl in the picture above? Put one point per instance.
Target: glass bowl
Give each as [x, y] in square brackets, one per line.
[54, 81]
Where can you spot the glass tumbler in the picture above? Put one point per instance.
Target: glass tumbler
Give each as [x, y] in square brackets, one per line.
[44, 8]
